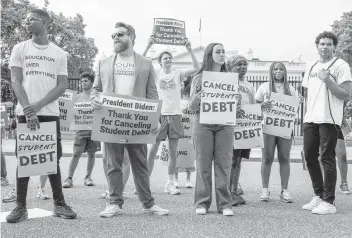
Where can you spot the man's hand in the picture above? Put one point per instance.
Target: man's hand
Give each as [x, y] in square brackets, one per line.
[31, 109]
[33, 122]
[151, 41]
[96, 103]
[188, 45]
[323, 75]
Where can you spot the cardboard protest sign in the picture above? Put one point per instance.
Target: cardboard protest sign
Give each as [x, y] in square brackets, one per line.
[4, 117]
[218, 101]
[280, 119]
[248, 130]
[186, 120]
[126, 119]
[82, 116]
[66, 106]
[169, 31]
[186, 154]
[37, 150]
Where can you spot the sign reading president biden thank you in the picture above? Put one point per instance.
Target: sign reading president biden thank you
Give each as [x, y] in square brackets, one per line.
[169, 31]
[36, 150]
[66, 104]
[82, 116]
[218, 101]
[126, 119]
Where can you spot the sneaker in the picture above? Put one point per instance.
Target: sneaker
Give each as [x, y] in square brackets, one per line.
[4, 181]
[312, 204]
[344, 188]
[18, 214]
[68, 183]
[170, 188]
[11, 197]
[156, 210]
[176, 183]
[324, 208]
[239, 189]
[111, 210]
[64, 211]
[88, 181]
[104, 195]
[237, 199]
[265, 197]
[201, 211]
[227, 212]
[189, 184]
[41, 195]
[286, 196]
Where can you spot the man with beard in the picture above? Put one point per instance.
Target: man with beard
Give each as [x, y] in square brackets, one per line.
[126, 73]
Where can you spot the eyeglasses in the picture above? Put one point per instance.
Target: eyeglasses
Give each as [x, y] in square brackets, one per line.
[119, 35]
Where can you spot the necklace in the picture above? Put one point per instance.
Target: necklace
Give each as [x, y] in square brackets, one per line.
[38, 47]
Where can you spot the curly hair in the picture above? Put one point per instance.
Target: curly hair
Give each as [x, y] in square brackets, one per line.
[327, 34]
[88, 75]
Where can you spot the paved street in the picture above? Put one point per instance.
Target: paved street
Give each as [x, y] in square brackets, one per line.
[256, 219]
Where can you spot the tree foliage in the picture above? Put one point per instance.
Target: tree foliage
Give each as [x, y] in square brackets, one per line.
[66, 32]
[343, 29]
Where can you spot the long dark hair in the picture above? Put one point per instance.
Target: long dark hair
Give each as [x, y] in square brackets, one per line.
[186, 90]
[272, 88]
[208, 61]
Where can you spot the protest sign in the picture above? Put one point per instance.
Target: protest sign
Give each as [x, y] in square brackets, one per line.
[82, 116]
[37, 150]
[126, 119]
[186, 120]
[66, 106]
[248, 130]
[4, 118]
[218, 101]
[169, 31]
[186, 154]
[279, 120]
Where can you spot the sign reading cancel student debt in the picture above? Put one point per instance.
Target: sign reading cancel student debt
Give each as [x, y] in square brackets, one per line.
[280, 119]
[36, 150]
[248, 129]
[218, 101]
[126, 119]
[82, 116]
[169, 31]
[66, 104]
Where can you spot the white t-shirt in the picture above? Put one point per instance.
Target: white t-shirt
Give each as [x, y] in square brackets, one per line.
[124, 75]
[40, 67]
[247, 92]
[318, 109]
[264, 91]
[169, 90]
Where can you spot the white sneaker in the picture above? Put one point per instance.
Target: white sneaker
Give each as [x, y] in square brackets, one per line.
[111, 210]
[170, 188]
[265, 197]
[312, 204]
[189, 184]
[176, 183]
[41, 195]
[201, 211]
[157, 210]
[324, 208]
[227, 212]
[286, 196]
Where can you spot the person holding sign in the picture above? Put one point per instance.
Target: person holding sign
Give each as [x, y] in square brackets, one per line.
[277, 84]
[328, 84]
[239, 64]
[82, 141]
[211, 141]
[39, 77]
[168, 83]
[126, 73]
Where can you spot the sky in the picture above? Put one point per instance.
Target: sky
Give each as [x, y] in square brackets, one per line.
[273, 29]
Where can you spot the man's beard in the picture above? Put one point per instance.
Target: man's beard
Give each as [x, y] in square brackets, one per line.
[119, 47]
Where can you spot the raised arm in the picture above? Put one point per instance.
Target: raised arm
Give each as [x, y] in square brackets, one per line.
[195, 62]
[151, 41]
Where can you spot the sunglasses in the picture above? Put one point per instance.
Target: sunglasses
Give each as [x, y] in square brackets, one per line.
[119, 35]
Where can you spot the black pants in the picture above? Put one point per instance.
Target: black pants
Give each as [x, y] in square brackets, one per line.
[55, 179]
[325, 136]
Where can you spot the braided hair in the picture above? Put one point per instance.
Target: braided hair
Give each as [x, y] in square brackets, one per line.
[272, 87]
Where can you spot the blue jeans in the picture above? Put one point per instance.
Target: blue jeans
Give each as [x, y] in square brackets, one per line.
[213, 142]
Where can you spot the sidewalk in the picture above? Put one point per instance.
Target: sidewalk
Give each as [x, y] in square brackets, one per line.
[256, 154]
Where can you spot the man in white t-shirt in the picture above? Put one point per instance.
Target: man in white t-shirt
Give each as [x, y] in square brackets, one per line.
[328, 84]
[39, 77]
[168, 83]
[126, 73]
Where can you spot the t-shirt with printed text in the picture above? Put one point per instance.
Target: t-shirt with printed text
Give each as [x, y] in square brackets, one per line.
[124, 75]
[247, 92]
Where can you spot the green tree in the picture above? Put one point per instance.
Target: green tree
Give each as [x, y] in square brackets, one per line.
[343, 29]
[66, 32]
